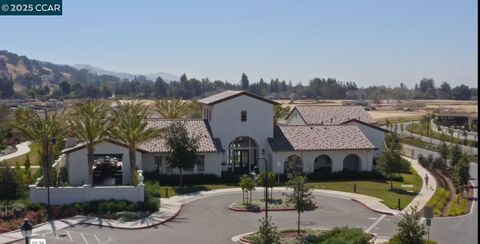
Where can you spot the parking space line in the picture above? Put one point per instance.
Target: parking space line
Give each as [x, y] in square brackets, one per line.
[376, 223]
[69, 236]
[96, 238]
[83, 237]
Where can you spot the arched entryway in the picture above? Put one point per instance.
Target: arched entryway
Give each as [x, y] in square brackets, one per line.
[242, 154]
[352, 162]
[293, 164]
[322, 164]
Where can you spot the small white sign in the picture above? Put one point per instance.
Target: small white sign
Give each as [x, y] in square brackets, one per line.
[38, 241]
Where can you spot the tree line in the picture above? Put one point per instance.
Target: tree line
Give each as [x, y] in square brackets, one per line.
[84, 84]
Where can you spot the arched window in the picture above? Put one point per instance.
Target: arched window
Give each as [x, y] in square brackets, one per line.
[242, 154]
[351, 163]
[322, 164]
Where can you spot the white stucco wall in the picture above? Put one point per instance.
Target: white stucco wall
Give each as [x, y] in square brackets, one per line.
[72, 194]
[337, 157]
[295, 118]
[226, 123]
[375, 136]
[212, 164]
[77, 165]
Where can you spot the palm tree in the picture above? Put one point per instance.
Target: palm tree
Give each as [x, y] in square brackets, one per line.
[42, 130]
[173, 108]
[131, 128]
[89, 123]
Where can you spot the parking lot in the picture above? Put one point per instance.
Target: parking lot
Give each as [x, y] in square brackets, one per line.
[70, 236]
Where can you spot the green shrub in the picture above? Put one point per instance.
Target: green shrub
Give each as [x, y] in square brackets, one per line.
[339, 235]
[152, 188]
[439, 199]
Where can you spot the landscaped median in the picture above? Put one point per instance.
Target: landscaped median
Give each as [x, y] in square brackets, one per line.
[257, 205]
[336, 235]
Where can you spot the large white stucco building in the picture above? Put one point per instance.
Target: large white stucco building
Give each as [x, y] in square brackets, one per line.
[237, 132]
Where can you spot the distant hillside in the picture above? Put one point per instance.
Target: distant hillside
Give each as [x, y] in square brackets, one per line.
[27, 73]
[123, 75]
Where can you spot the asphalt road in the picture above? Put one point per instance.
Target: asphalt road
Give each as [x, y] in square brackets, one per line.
[209, 221]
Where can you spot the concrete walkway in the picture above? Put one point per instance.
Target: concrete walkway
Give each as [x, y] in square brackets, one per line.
[22, 148]
[426, 192]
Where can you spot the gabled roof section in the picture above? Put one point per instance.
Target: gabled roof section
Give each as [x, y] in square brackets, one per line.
[229, 94]
[195, 127]
[318, 138]
[332, 115]
[366, 124]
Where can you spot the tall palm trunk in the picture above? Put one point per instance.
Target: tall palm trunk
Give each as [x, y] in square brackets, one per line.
[132, 157]
[90, 159]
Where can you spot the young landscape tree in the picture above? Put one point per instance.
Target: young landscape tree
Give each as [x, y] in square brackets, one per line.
[301, 197]
[131, 128]
[444, 151]
[269, 176]
[267, 233]
[462, 174]
[410, 229]
[182, 148]
[248, 185]
[89, 123]
[389, 162]
[455, 155]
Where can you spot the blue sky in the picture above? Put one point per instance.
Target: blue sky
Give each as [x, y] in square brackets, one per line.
[382, 42]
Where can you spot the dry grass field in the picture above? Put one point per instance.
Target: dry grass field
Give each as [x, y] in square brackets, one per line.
[387, 109]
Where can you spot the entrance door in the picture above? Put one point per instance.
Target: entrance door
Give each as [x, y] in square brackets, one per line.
[240, 161]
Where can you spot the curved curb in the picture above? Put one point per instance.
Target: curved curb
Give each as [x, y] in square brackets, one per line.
[372, 209]
[140, 227]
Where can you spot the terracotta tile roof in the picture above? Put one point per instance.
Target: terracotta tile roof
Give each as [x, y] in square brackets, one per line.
[318, 138]
[199, 128]
[332, 115]
[229, 94]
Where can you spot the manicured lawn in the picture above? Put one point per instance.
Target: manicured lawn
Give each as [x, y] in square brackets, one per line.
[379, 189]
[34, 155]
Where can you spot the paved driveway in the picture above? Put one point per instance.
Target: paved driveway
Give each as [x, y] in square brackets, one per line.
[209, 221]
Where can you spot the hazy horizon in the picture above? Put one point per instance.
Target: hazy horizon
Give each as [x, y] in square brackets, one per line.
[369, 43]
